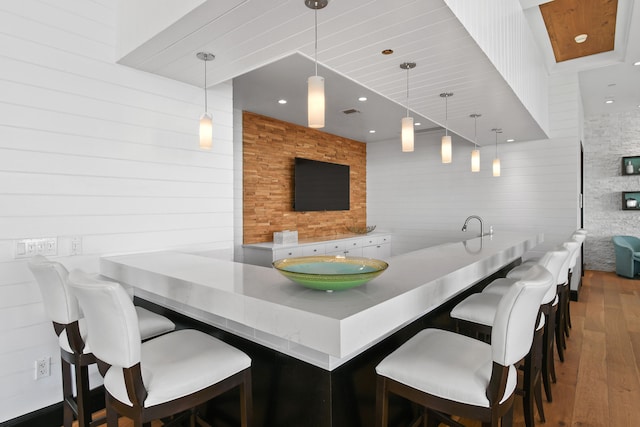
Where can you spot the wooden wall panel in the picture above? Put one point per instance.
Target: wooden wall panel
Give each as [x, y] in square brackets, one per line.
[269, 149]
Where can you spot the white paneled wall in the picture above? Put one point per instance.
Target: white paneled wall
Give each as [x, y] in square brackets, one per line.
[501, 30]
[93, 149]
[424, 202]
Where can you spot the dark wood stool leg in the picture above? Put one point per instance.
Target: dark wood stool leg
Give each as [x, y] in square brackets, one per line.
[559, 326]
[83, 396]
[67, 394]
[548, 364]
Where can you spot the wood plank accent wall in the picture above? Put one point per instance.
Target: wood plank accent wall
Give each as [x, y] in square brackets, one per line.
[269, 149]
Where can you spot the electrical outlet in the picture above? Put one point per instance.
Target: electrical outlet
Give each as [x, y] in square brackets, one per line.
[76, 245]
[47, 246]
[43, 367]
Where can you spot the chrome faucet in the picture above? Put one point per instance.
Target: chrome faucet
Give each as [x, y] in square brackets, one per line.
[466, 221]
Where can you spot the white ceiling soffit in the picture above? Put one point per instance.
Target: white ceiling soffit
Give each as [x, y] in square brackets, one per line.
[607, 75]
[247, 35]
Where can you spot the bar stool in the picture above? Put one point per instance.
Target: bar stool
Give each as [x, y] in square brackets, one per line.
[63, 310]
[163, 376]
[553, 312]
[579, 236]
[475, 314]
[452, 374]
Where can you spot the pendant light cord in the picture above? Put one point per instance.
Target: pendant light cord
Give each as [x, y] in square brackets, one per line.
[205, 86]
[475, 132]
[446, 115]
[407, 92]
[315, 55]
[496, 143]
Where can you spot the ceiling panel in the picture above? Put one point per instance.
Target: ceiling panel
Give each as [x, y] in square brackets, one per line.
[565, 19]
[272, 42]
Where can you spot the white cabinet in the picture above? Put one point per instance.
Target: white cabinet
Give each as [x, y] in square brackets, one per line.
[379, 251]
[310, 250]
[335, 248]
[370, 246]
[286, 253]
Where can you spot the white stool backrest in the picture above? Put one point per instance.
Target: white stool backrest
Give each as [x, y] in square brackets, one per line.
[516, 315]
[112, 323]
[572, 246]
[579, 237]
[554, 260]
[59, 302]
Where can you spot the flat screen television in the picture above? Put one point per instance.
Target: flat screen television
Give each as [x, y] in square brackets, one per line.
[320, 186]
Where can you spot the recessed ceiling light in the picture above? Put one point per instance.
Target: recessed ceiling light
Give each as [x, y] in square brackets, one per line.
[372, 131]
[417, 124]
[510, 140]
[609, 101]
[282, 101]
[362, 98]
[387, 51]
[580, 38]
[636, 63]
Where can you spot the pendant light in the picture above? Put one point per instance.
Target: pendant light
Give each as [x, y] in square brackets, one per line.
[445, 148]
[315, 83]
[475, 153]
[206, 120]
[496, 161]
[407, 122]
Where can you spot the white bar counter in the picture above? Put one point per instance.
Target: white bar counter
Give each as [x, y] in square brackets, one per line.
[325, 329]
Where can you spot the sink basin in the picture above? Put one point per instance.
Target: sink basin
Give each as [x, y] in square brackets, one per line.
[330, 273]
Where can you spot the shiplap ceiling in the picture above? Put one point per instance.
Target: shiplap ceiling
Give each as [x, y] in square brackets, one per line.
[267, 47]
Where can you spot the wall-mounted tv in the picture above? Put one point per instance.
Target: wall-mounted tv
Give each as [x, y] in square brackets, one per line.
[320, 186]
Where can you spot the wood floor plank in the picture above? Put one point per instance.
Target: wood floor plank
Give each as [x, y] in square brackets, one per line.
[591, 393]
[594, 311]
[635, 344]
[624, 396]
[631, 309]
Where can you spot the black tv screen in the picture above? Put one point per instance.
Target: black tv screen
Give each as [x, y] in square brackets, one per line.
[320, 186]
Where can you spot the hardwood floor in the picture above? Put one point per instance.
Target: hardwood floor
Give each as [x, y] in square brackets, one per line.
[599, 382]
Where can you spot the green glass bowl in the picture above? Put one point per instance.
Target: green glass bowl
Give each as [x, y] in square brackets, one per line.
[330, 272]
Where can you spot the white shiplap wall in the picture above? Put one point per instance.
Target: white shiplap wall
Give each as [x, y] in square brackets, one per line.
[424, 202]
[93, 149]
[501, 30]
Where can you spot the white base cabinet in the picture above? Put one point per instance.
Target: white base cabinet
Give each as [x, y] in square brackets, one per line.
[375, 245]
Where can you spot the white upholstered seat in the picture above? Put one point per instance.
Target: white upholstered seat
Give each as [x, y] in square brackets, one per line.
[162, 376]
[451, 366]
[448, 373]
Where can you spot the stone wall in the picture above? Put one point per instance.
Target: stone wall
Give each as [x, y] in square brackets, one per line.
[607, 139]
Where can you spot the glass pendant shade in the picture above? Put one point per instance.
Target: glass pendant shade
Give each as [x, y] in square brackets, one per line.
[407, 134]
[496, 167]
[206, 131]
[446, 149]
[315, 108]
[206, 120]
[475, 160]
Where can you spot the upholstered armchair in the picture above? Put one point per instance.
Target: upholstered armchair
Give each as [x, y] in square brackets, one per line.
[627, 250]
